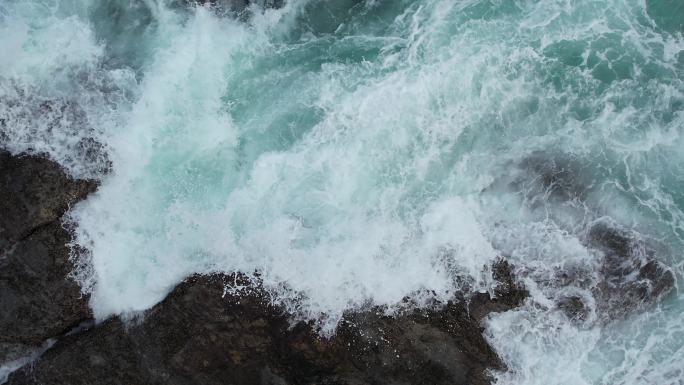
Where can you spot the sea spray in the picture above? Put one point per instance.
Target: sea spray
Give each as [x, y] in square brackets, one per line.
[358, 152]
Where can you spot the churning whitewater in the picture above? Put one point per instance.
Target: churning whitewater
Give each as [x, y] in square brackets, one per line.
[355, 152]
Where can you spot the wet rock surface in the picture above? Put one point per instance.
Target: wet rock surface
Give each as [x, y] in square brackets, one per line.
[507, 294]
[201, 335]
[237, 7]
[627, 274]
[574, 308]
[58, 122]
[37, 299]
[553, 178]
[630, 275]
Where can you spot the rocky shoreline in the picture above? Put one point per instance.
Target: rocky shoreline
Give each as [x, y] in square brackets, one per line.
[37, 300]
[205, 332]
[200, 334]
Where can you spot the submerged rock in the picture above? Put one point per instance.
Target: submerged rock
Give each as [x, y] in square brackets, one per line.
[629, 278]
[37, 299]
[630, 275]
[507, 294]
[554, 178]
[627, 274]
[201, 334]
[31, 123]
[574, 308]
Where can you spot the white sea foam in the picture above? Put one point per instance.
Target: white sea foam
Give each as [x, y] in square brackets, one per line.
[318, 217]
[355, 154]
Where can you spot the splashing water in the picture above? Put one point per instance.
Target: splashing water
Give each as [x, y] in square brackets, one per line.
[355, 152]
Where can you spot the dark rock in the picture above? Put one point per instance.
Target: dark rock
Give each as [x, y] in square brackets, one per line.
[574, 308]
[557, 178]
[626, 278]
[630, 275]
[36, 298]
[656, 279]
[508, 293]
[202, 335]
[35, 192]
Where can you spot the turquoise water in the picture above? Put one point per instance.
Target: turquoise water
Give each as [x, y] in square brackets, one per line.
[356, 152]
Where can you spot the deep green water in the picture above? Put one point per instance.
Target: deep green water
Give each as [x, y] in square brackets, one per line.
[356, 152]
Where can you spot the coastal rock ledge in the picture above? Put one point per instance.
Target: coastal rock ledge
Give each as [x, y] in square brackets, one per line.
[200, 334]
[37, 300]
[208, 332]
[203, 334]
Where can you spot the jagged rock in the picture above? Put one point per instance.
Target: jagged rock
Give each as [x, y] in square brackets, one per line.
[35, 192]
[574, 308]
[628, 279]
[507, 295]
[36, 298]
[630, 274]
[202, 335]
[198, 335]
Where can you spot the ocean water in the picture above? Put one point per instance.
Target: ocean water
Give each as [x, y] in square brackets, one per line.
[355, 152]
